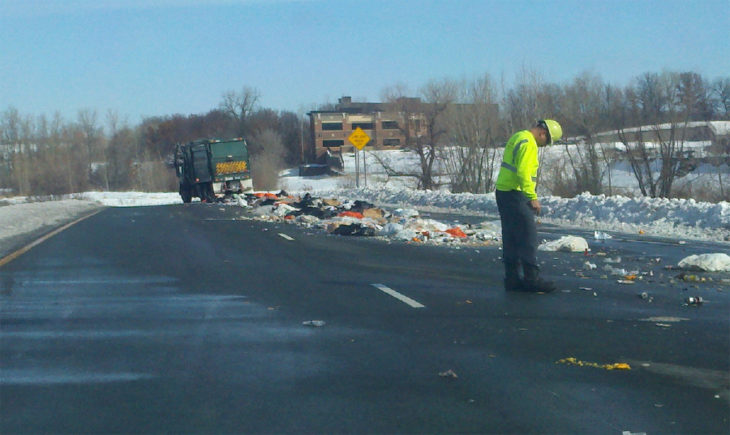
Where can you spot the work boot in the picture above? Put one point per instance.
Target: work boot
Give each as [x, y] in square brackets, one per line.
[533, 282]
[512, 281]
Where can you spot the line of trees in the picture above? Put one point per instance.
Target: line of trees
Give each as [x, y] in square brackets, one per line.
[42, 156]
[467, 123]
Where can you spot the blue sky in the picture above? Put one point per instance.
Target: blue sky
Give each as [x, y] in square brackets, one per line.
[161, 57]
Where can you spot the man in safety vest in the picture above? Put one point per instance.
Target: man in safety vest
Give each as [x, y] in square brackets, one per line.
[518, 205]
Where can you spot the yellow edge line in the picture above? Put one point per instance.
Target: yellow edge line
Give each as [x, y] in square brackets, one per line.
[10, 257]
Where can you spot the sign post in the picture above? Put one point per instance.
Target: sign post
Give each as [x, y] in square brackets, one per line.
[359, 139]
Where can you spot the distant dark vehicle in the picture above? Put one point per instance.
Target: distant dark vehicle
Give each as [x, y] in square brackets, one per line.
[209, 167]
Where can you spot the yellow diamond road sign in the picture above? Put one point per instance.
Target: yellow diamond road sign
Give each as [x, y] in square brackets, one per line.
[359, 138]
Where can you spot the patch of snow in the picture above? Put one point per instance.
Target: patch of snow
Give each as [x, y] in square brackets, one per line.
[131, 199]
[717, 262]
[21, 218]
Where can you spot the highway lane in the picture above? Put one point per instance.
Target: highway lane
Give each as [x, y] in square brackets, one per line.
[185, 319]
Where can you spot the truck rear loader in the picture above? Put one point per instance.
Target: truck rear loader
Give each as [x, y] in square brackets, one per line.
[210, 167]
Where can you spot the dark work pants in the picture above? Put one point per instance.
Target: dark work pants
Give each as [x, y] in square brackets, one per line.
[519, 233]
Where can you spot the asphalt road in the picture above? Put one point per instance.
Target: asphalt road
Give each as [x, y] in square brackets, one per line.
[186, 319]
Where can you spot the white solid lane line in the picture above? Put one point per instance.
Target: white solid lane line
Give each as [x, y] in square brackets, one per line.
[285, 236]
[400, 297]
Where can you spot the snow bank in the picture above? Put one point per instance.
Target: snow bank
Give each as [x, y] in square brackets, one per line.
[131, 199]
[675, 218]
[23, 218]
[708, 262]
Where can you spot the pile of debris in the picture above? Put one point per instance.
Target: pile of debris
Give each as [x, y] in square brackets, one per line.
[361, 218]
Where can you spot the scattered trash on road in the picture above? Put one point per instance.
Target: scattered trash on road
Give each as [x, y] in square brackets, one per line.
[450, 374]
[664, 319]
[315, 323]
[565, 244]
[690, 278]
[600, 235]
[694, 300]
[577, 362]
[645, 296]
[361, 218]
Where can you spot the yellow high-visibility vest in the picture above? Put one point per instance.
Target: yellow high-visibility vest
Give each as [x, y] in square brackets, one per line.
[519, 165]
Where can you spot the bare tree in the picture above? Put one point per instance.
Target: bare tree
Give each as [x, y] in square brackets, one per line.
[721, 97]
[91, 137]
[408, 112]
[16, 131]
[655, 148]
[120, 152]
[524, 103]
[422, 126]
[239, 106]
[582, 111]
[694, 97]
[473, 128]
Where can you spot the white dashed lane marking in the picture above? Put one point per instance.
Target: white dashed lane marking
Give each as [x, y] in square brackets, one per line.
[400, 297]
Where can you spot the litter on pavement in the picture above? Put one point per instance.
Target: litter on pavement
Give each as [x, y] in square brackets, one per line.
[450, 374]
[361, 218]
[358, 218]
[566, 244]
[315, 323]
[577, 362]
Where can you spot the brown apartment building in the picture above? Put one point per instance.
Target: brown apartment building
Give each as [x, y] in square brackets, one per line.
[383, 122]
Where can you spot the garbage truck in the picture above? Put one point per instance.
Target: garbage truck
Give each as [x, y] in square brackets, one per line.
[212, 168]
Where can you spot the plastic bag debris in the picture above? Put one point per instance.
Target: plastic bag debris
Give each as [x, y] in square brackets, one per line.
[694, 300]
[566, 244]
[353, 230]
[717, 262]
[456, 232]
[352, 214]
[406, 213]
[315, 323]
[450, 374]
[600, 235]
[615, 271]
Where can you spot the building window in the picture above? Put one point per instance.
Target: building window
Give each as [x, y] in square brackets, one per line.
[333, 143]
[391, 142]
[331, 126]
[390, 125]
[363, 125]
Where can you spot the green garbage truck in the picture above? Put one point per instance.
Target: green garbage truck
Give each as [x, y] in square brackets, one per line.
[211, 168]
